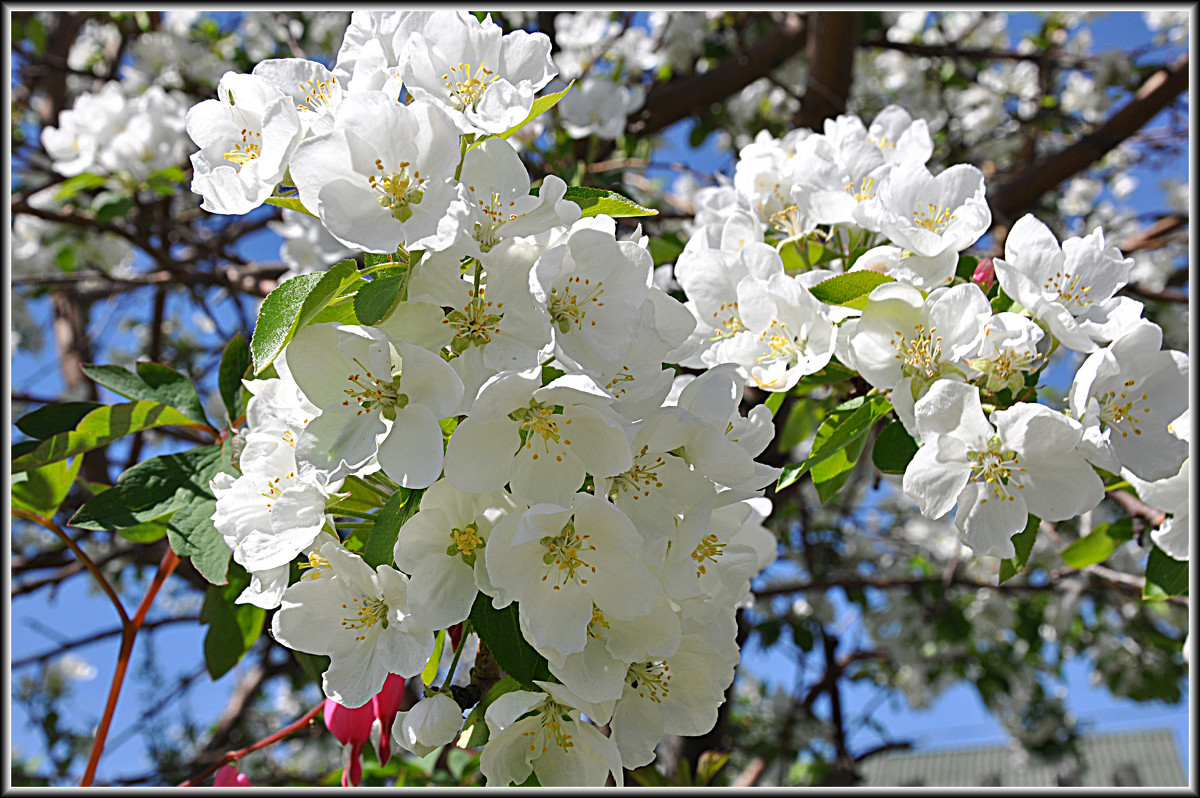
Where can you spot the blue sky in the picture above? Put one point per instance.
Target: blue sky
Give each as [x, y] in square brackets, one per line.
[956, 718]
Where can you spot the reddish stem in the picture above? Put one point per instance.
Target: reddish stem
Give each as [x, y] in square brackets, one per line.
[233, 756]
[165, 567]
[83, 558]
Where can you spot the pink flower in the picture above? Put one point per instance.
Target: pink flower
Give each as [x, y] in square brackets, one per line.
[985, 274]
[228, 776]
[353, 726]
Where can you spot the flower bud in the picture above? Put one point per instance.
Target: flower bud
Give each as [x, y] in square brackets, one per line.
[985, 274]
[433, 722]
[228, 776]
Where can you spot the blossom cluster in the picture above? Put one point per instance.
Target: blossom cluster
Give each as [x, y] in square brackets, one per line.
[518, 389]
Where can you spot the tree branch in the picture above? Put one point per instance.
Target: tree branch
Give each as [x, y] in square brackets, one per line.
[1015, 192]
[830, 66]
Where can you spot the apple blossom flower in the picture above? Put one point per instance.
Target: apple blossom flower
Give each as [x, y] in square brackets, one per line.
[362, 379]
[485, 79]
[541, 733]
[928, 214]
[381, 177]
[1069, 289]
[1125, 395]
[359, 617]
[1029, 462]
[247, 138]
[1008, 350]
[557, 561]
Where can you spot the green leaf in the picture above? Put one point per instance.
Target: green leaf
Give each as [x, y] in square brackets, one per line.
[53, 419]
[291, 203]
[232, 628]
[801, 421]
[845, 424]
[147, 532]
[373, 259]
[1096, 546]
[296, 303]
[152, 489]
[42, 490]
[966, 267]
[474, 726]
[277, 318]
[500, 631]
[235, 363]
[393, 515]
[192, 534]
[358, 496]
[665, 248]
[435, 659]
[99, 428]
[109, 205]
[844, 289]
[831, 474]
[648, 776]
[86, 181]
[1165, 577]
[376, 300]
[894, 448]
[154, 383]
[1023, 542]
[540, 106]
[595, 201]
[774, 400]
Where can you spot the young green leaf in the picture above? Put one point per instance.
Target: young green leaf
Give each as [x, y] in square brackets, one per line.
[1097, 545]
[232, 627]
[893, 449]
[291, 203]
[1165, 577]
[235, 363]
[376, 300]
[540, 106]
[42, 490]
[402, 506]
[153, 382]
[500, 631]
[1023, 542]
[99, 428]
[845, 288]
[846, 423]
[596, 201]
[53, 419]
[294, 304]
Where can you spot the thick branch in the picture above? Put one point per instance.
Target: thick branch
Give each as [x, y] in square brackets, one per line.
[667, 103]
[830, 47]
[1015, 192]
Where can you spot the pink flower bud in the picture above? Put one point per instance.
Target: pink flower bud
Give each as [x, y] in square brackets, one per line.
[352, 727]
[386, 704]
[985, 274]
[228, 776]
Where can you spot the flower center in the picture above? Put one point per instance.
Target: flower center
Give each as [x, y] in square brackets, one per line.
[598, 623]
[1071, 292]
[1119, 411]
[883, 143]
[708, 549]
[318, 95]
[864, 189]
[495, 213]
[728, 325]
[782, 342]
[922, 355]
[640, 479]
[552, 716]
[372, 393]
[398, 190]
[935, 217]
[316, 563]
[466, 86]
[539, 419]
[465, 542]
[789, 221]
[367, 612]
[562, 554]
[651, 679]
[474, 323]
[249, 148]
[569, 307]
[995, 468]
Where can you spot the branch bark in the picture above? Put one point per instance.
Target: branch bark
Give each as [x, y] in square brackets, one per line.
[667, 103]
[1015, 192]
[830, 66]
